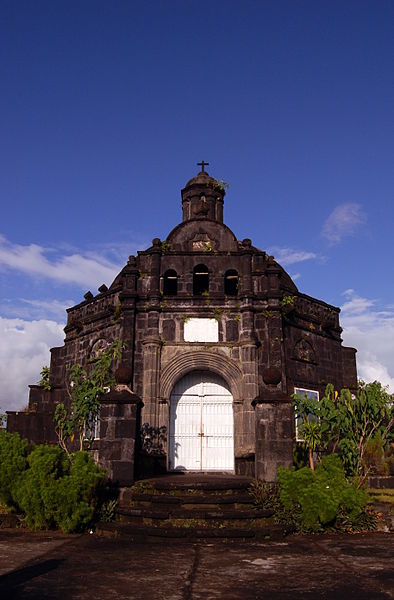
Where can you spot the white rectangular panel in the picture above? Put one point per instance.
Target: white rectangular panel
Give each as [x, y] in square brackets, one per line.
[201, 330]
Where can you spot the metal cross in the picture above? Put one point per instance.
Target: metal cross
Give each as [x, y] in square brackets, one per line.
[202, 164]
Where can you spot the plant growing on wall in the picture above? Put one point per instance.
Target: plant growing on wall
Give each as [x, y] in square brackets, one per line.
[153, 439]
[165, 247]
[117, 311]
[287, 301]
[84, 388]
[205, 295]
[220, 184]
[218, 312]
[44, 381]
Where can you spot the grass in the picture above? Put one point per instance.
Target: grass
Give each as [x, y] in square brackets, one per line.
[385, 495]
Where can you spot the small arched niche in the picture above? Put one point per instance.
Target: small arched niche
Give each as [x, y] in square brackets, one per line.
[200, 280]
[231, 282]
[170, 283]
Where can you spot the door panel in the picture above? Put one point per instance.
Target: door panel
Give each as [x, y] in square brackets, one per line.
[201, 424]
[186, 424]
[217, 424]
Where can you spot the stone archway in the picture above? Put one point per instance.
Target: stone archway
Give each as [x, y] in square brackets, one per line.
[201, 360]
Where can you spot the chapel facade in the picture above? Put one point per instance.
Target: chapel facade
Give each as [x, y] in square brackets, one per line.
[216, 339]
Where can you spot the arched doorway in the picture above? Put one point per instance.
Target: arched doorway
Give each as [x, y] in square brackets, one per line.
[201, 424]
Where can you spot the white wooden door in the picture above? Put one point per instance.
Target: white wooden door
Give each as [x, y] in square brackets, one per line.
[201, 424]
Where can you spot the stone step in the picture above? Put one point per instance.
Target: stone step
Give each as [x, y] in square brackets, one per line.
[190, 506]
[167, 499]
[209, 484]
[198, 513]
[145, 533]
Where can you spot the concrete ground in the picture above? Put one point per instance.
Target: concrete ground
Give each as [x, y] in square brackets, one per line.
[40, 566]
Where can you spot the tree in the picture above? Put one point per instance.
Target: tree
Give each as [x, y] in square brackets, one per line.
[309, 424]
[349, 424]
[84, 388]
[311, 432]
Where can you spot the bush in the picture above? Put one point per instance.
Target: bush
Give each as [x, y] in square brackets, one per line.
[57, 492]
[322, 498]
[13, 461]
[77, 494]
[35, 491]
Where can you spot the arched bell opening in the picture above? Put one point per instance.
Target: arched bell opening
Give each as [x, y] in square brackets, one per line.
[170, 283]
[200, 280]
[231, 282]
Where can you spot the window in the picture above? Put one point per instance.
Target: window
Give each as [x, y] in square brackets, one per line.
[170, 283]
[311, 395]
[200, 280]
[231, 283]
[92, 430]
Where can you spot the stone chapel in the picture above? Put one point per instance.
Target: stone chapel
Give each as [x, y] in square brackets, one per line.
[217, 338]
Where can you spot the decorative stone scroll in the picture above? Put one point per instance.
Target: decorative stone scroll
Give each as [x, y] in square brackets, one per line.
[98, 347]
[303, 350]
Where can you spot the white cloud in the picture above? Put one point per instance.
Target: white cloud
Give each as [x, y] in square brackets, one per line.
[288, 256]
[371, 331]
[343, 221]
[87, 269]
[24, 308]
[295, 276]
[24, 349]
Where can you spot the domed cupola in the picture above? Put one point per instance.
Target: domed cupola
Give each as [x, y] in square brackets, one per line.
[202, 197]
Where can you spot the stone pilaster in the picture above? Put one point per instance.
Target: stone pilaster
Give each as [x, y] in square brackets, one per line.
[118, 433]
[274, 418]
[128, 298]
[150, 394]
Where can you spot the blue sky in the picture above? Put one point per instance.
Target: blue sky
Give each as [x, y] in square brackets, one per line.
[105, 108]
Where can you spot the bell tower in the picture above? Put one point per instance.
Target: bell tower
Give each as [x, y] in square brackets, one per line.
[203, 197]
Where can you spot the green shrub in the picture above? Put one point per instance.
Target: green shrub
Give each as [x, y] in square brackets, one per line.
[13, 461]
[57, 492]
[322, 498]
[35, 491]
[300, 455]
[77, 494]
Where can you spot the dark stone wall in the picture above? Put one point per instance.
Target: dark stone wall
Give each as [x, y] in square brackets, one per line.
[37, 427]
